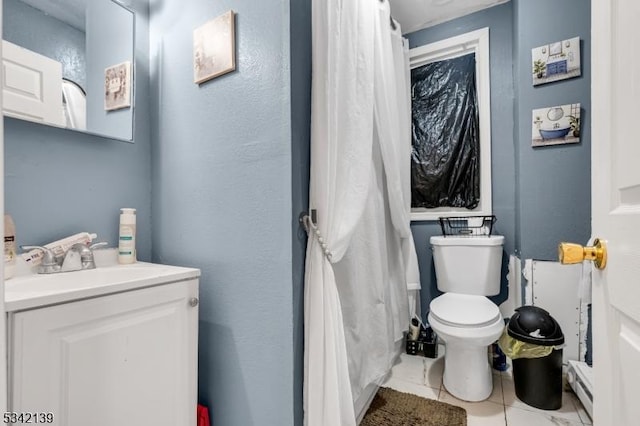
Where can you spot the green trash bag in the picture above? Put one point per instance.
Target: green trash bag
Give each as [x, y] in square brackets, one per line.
[514, 348]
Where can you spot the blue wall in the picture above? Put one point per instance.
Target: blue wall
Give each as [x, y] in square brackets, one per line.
[499, 20]
[554, 191]
[223, 200]
[59, 182]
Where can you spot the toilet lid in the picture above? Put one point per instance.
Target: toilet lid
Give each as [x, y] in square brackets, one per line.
[463, 310]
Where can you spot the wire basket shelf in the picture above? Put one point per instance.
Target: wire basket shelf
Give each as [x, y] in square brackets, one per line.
[470, 226]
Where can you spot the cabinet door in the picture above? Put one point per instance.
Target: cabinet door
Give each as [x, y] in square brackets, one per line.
[125, 359]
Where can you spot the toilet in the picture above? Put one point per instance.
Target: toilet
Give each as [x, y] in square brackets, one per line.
[467, 270]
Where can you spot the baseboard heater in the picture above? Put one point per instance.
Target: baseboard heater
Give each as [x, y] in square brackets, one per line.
[580, 378]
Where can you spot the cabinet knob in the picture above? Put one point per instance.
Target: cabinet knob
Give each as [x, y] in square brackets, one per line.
[193, 302]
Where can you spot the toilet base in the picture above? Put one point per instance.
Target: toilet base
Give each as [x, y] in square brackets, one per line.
[467, 374]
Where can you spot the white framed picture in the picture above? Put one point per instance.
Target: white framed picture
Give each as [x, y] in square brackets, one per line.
[117, 86]
[556, 61]
[555, 125]
[214, 48]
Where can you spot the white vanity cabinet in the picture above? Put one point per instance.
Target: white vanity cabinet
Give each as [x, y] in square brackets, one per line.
[126, 358]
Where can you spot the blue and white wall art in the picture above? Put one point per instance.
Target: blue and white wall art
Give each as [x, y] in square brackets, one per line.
[556, 125]
[556, 61]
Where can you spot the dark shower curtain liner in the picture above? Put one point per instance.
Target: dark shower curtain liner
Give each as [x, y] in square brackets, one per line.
[446, 141]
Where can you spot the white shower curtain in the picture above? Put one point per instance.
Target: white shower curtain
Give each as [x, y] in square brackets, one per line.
[356, 304]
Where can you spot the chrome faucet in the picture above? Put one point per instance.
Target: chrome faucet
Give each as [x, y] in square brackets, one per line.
[85, 254]
[79, 257]
[49, 264]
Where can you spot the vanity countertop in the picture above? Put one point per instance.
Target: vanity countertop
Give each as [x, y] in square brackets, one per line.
[30, 290]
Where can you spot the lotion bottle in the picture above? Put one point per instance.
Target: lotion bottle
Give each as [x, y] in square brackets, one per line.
[127, 237]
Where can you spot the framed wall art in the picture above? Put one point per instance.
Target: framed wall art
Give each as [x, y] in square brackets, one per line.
[556, 125]
[556, 61]
[214, 48]
[117, 86]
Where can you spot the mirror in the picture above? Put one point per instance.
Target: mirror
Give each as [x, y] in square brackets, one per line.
[70, 63]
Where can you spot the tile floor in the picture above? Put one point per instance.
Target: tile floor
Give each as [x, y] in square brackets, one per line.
[423, 376]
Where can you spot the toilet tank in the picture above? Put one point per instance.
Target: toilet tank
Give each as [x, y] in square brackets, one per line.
[468, 265]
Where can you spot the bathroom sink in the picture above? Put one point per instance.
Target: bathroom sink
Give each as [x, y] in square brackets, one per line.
[35, 290]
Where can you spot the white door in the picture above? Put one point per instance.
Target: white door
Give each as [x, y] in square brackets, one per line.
[32, 85]
[616, 210]
[126, 359]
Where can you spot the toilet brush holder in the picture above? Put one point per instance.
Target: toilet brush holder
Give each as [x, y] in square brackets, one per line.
[429, 341]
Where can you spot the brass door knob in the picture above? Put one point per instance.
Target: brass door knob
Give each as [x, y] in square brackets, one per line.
[570, 253]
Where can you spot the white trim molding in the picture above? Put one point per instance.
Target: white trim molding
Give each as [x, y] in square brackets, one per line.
[476, 42]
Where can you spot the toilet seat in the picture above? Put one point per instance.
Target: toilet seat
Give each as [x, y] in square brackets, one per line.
[464, 310]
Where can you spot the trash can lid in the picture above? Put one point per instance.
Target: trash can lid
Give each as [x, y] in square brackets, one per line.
[534, 325]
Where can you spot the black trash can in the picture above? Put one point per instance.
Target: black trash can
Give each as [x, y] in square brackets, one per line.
[538, 381]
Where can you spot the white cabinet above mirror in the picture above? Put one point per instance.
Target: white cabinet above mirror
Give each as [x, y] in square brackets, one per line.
[85, 49]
